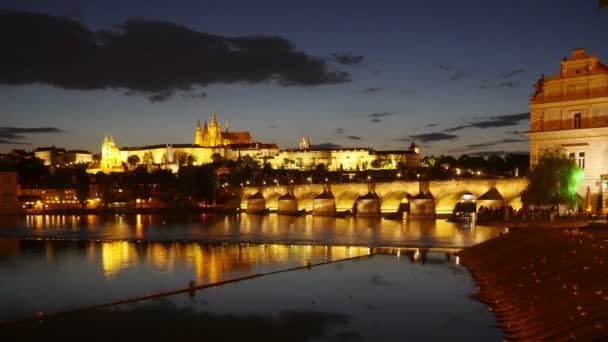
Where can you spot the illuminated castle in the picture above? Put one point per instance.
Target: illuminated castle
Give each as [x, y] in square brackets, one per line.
[212, 135]
[211, 144]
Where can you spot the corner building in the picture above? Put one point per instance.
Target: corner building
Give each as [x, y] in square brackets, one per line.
[570, 110]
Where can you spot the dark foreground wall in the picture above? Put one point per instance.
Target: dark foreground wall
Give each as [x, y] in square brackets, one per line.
[544, 284]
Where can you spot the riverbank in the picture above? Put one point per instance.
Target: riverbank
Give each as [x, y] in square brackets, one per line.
[544, 283]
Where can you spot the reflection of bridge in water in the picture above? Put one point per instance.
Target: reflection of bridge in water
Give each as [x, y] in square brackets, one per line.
[419, 198]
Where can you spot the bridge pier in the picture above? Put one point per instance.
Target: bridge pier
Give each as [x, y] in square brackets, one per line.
[324, 204]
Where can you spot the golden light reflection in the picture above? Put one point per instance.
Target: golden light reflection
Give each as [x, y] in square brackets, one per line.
[212, 263]
[91, 251]
[116, 256]
[139, 227]
[158, 255]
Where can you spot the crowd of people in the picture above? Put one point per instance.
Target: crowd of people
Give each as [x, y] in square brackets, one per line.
[526, 213]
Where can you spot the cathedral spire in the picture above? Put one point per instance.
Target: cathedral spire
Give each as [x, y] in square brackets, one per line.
[227, 127]
[213, 119]
[198, 134]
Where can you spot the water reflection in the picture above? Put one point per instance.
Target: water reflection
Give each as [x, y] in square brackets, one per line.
[374, 299]
[363, 231]
[89, 272]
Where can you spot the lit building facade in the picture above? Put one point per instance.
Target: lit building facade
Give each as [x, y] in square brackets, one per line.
[570, 110]
[58, 156]
[306, 158]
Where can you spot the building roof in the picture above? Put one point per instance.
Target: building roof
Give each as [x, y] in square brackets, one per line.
[253, 145]
[380, 153]
[79, 151]
[150, 147]
[237, 136]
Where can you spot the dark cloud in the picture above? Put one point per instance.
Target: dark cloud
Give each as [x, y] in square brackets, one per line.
[514, 132]
[500, 153]
[509, 74]
[432, 125]
[4, 141]
[456, 74]
[445, 67]
[161, 96]
[493, 143]
[501, 84]
[273, 126]
[326, 146]
[11, 135]
[459, 75]
[429, 137]
[353, 137]
[508, 84]
[376, 120]
[347, 58]
[152, 58]
[380, 115]
[502, 80]
[200, 95]
[372, 90]
[339, 130]
[494, 121]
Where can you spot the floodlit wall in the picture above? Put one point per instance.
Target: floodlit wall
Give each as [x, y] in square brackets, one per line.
[446, 193]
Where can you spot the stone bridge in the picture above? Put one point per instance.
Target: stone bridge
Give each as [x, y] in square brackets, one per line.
[420, 197]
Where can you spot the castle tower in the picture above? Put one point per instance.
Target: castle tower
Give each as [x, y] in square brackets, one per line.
[304, 144]
[198, 135]
[414, 148]
[110, 154]
[214, 132]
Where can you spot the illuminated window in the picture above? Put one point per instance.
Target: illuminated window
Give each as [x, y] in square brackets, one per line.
[581, 160]
[577, 120]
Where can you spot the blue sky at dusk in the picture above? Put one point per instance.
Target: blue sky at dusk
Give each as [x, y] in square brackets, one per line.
[453, 76]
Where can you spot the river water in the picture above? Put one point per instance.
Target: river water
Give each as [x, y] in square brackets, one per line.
[51, 263]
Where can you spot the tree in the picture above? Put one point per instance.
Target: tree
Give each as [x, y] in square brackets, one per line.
[217, 158]
[148, 158]
[81, 182]
[198, 182]
[133, 160]
[554, 180]
[31, 171]
[495, 165]
[429, 160]
[517, 164]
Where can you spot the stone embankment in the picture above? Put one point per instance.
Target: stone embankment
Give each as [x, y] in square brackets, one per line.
[544, 284]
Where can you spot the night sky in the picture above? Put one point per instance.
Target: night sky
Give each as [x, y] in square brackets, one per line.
[453, 76]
